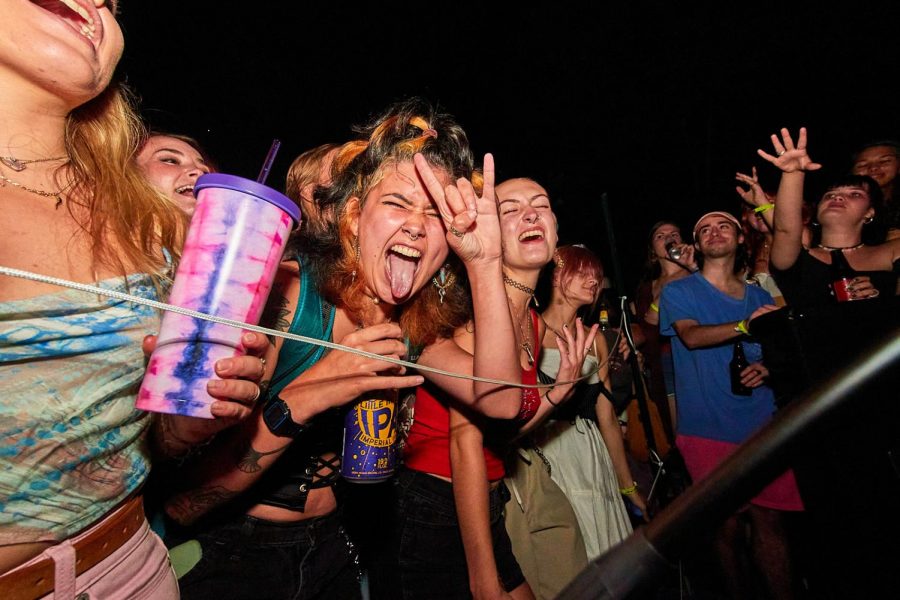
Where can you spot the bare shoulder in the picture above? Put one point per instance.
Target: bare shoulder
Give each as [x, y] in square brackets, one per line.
[893, 249]
[282, 303]
[464, 337]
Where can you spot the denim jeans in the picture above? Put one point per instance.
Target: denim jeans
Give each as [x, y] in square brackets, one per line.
[432, 561]
[256, 559]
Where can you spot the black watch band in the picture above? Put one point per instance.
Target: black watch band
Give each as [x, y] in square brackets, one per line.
[277, 416]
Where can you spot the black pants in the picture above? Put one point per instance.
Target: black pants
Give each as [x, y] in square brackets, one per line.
[257, 559]
[432, 561]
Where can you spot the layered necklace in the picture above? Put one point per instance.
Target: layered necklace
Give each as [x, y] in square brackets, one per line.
[527, 339]
[19, 165]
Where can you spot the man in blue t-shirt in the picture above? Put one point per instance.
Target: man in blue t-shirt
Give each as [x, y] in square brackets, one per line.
[707, 314]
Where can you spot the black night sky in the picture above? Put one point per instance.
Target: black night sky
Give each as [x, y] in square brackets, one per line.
[657, 104]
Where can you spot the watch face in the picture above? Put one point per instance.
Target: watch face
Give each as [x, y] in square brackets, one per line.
[277, 416]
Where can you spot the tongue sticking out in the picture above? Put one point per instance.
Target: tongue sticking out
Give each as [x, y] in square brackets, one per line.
[402, 269]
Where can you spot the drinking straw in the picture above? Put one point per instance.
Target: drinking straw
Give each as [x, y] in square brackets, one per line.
[267, 165]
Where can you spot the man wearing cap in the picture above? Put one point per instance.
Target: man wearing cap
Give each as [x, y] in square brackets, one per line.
[706, 314]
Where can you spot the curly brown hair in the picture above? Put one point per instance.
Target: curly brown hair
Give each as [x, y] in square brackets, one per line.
[405, 129]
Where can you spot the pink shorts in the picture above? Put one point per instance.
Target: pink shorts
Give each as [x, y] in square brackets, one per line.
[702, 456]
[138, 570]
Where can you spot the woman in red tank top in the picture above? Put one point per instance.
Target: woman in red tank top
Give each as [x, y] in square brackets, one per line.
[440, 555]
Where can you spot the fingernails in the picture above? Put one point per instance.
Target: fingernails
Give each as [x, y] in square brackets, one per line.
[214, 384]
[418, 380]
[249, 338]
[225, 365]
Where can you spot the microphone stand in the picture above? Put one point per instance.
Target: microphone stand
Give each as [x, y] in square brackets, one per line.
[637, 375]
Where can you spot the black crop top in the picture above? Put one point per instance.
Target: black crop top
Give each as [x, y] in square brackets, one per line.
[808, 281]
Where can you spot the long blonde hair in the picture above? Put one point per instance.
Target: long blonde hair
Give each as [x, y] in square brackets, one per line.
[130, 224]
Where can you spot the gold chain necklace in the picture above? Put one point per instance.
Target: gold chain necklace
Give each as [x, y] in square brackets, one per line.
[526, 340]
[558, 334]
[42, 193]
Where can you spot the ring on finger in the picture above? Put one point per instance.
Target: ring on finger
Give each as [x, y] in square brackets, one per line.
[256, 395]
[262, 362]
[456, 231]
[780, 152]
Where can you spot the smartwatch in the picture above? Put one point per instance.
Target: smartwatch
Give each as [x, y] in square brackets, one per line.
[277, 416]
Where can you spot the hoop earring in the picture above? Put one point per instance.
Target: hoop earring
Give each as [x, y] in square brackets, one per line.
[443, 280]
[868, 221]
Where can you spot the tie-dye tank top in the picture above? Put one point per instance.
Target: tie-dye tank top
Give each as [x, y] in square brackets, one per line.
[72, 446]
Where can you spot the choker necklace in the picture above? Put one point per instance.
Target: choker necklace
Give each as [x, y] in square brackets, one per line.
[847, 248]
[18, 165]
[57, 194]
[521, 287]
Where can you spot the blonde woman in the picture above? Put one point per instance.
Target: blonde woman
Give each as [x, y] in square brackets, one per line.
[74, 206]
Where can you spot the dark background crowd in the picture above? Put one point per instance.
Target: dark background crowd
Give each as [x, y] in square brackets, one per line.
[654, 112]
[657, 104]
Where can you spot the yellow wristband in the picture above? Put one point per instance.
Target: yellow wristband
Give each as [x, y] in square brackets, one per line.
[741, 327]
[628, 491]
[654, 307]
[763, 208]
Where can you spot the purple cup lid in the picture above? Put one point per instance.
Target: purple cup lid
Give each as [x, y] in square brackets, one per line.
[248, 186]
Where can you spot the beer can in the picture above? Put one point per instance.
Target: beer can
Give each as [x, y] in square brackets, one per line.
[370, 440]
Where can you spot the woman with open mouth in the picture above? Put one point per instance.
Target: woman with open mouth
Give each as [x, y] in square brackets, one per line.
[75, 451]
[845, 214]
[173, 163]
[451, 541]
[400, 198]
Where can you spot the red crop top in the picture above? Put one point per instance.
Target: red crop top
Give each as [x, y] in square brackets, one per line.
[428, 445]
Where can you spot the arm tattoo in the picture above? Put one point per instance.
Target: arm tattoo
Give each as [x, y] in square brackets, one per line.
[275, 313]
[189, 506]
[248, 462]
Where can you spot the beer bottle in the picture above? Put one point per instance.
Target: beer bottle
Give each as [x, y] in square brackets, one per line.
[603, 315]
[737, 365]
[841, 275]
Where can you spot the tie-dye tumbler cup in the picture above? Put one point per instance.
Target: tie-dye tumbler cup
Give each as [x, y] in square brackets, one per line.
[233, 247]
